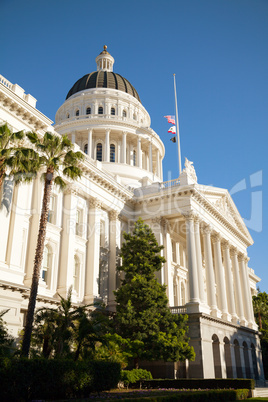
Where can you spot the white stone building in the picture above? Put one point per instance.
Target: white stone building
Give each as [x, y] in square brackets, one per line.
[205, 239]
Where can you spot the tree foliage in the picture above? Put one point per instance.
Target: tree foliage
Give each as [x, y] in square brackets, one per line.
[142, 313]
[260, 306]
[6, 340]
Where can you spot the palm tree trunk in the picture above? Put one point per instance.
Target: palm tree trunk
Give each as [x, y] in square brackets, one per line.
[1, 179]
[37, 264]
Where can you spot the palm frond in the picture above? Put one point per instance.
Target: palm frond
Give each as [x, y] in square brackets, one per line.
[60, 182]
[73, 172]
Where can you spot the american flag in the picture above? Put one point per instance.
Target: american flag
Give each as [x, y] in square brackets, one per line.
[170, 119]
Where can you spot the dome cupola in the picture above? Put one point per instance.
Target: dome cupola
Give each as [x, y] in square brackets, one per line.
[104, 60]
[104, 77]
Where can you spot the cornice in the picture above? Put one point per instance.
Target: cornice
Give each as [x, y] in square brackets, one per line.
[193, 191]
[22, 109]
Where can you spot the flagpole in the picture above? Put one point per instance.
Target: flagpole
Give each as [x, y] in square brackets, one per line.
[177, 125]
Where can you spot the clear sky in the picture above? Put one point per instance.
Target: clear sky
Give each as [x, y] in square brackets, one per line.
[218, 50]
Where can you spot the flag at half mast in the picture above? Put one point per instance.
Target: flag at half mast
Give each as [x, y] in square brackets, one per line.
[172, 130]
[170, 119]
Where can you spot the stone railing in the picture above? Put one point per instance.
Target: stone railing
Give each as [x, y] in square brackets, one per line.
[5, 82]
[103, 116]
[170, 183]
[178, 310]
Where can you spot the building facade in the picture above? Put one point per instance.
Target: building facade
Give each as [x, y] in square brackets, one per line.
[205, 239]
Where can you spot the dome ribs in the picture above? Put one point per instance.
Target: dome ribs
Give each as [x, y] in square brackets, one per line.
[103, 79]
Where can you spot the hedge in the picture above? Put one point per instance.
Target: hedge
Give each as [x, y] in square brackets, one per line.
[197, 396]
[210, 383]
[135, 375]
[23, 379]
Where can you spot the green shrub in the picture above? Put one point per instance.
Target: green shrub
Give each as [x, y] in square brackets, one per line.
[23, 379]
[207, 383]
[135, 375]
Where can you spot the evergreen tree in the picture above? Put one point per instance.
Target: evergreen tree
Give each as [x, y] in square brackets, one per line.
[142, 313]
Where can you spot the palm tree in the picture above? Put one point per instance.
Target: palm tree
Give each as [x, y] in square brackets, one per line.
[18, 161]
[260, 306]
[58, 160]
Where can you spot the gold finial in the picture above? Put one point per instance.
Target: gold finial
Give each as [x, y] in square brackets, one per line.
[105, 47]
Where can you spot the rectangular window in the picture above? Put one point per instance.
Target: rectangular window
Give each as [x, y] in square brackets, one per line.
[79, 222]
[51, 218]
[173, 245]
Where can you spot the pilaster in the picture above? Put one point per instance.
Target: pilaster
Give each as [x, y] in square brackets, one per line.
[114, 239]
[66, 265]
[220, 278]
[93, 250]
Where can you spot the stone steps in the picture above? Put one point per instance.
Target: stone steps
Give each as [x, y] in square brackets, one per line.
[261, 392]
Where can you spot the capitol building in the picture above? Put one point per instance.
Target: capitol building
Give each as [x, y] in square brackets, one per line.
[205, 240]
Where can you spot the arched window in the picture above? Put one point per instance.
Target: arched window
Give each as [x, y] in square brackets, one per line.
[134, 116]
[68, 115]
[112, 153]
[239, 371]
[216, 356]
[113, 111]
[77, 112]
[134, 158]
[100, 110]
[45, 271]
[99, 152]
[246, 359]
[88, 111]
[76, 274]
[124, 113]
[254, 361]
[85, 148]
[228, 358]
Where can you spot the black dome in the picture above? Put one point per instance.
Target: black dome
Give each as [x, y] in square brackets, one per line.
[103, 79]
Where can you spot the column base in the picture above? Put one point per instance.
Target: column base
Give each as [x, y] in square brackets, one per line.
[235, 319]
[111, 306]
[215, 312]
[226, 316]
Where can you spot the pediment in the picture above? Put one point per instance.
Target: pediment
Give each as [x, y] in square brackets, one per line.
[223, 203]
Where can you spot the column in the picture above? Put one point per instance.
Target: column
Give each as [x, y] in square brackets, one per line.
[245, 288]
[156, 226]
[34, 228]
[237, 287]
[209, 271]
[93, 251]
[192, 266]
[124, 148]
[150, 157]
[229, 281]
[114, 240]
[139, 154]
[168, 280]
[66, 260]
[89, 143]
[73, 137]
[252, 318]
[107, 146]
[220, 279]
[157, 163]
[199, 259]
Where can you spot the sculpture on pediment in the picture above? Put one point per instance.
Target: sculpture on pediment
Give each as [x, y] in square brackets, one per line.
[188, 175]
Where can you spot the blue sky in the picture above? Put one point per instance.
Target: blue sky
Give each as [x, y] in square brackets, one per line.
[218, 50]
